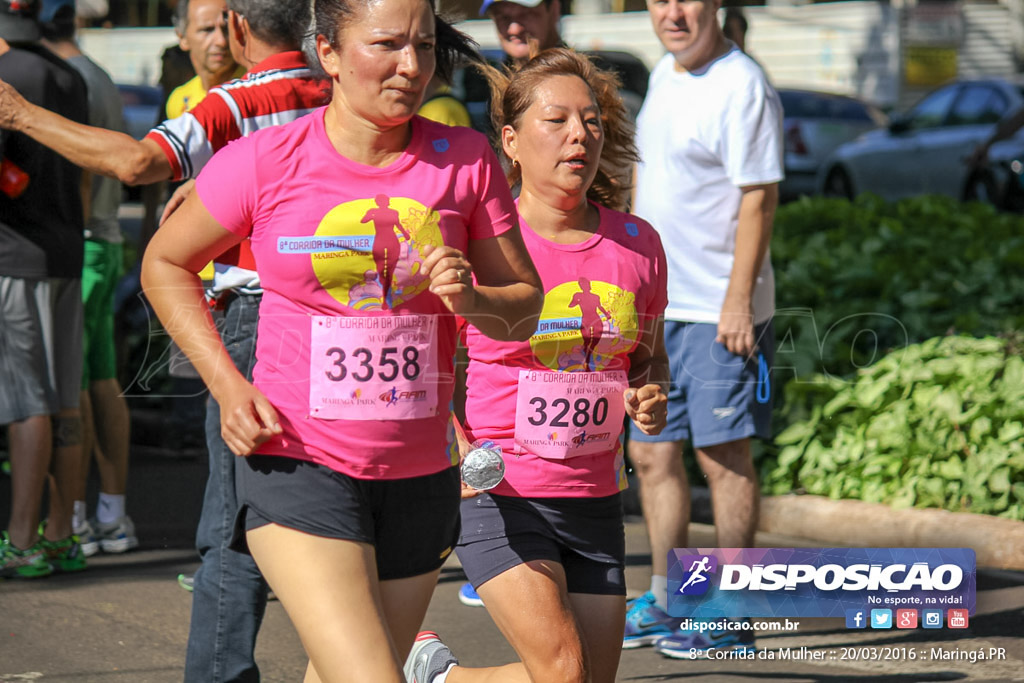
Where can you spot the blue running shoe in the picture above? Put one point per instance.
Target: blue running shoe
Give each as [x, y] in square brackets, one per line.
[698, 644]
[468, 596]
[646, 623]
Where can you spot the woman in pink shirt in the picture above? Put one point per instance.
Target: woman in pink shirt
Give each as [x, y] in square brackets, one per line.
[348, 494]
[550, 535]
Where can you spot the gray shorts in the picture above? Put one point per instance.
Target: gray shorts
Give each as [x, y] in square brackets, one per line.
[40, 346]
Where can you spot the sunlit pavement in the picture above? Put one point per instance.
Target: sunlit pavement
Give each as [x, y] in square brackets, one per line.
[126, 619]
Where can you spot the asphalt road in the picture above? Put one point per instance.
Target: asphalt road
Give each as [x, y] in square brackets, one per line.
[126, 620]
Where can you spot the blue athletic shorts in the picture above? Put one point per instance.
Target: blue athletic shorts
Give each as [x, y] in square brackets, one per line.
[716, 396]
[584, 535]
[412, 524]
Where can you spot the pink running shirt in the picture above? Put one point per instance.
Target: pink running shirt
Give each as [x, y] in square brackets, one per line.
[599, 296]
[341, 349]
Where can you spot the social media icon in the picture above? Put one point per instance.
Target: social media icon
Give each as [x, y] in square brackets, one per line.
[931, 618]
[957, 618]
[856, 618]
[906, 618]
[881, 618]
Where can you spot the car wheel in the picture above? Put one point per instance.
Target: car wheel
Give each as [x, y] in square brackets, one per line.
[838, 184]
[981, 187]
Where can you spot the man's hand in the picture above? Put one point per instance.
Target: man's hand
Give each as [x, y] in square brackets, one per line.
[13, 107]
[736, 328]
[177, 199]
[979, 157]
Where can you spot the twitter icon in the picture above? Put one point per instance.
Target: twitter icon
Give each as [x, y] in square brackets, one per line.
[881, 618]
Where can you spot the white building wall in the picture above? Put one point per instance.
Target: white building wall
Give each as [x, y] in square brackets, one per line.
[846, 47]
[130, 55]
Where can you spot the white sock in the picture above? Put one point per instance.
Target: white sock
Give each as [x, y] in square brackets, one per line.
[110, 508]
[659, 587]
[78, 514]
[442, 677]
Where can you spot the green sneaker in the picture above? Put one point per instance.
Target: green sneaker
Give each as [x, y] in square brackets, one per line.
[65, 555]
[22, 564]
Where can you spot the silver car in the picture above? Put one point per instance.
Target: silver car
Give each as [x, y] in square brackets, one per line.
[924, 151]
[814, 125]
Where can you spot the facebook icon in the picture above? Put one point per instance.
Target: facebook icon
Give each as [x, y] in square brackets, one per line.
[855, 618]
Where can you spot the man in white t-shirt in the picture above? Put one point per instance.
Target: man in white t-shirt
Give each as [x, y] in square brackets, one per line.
[710, 139]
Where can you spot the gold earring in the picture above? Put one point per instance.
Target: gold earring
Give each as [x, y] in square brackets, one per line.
[515, 163]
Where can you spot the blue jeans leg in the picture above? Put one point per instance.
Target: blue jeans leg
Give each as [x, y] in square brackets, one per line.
[230, 595]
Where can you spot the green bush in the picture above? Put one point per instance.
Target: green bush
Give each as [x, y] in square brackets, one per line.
[857, 279]
[937, 424]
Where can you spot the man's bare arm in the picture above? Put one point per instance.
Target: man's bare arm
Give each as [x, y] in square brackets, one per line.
[1005, 129]
[754, 233]
[98, 150]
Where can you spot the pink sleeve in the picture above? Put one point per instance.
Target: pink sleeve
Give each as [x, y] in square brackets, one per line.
[659, 300]
[227, 186]
[495, 210]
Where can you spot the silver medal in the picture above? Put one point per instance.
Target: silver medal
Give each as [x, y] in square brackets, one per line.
[483, 467]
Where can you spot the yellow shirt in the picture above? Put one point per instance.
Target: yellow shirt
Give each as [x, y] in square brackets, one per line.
[185, 97]
[445, 109]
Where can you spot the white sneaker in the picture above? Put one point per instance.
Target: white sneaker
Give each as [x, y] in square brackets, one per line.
[116, 537]
[428, 659]
[87, 538]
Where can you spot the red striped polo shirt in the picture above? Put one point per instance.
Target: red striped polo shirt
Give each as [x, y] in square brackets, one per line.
[278, 90]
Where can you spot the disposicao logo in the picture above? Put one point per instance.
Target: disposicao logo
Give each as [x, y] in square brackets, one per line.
[697, 579]
[818, 582]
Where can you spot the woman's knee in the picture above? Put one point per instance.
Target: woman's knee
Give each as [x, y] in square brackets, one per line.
[567, 665]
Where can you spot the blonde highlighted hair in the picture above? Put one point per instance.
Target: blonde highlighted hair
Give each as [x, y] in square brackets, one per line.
[513, 90]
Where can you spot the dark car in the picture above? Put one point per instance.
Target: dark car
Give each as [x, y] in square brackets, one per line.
[143, 108]
[815, 124]
[924, 150]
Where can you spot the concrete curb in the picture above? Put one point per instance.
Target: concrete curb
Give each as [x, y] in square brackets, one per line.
[998, 543]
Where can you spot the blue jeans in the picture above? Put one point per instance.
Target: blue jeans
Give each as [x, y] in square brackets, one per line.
[230, 595]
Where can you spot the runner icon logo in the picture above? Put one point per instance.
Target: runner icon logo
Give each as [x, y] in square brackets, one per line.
[698, 567]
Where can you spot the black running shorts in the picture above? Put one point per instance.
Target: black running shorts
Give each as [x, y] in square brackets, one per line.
[412, 524]
[585, 535]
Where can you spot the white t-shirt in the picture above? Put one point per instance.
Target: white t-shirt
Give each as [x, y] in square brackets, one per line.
[703, 135]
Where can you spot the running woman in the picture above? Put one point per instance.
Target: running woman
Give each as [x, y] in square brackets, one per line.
[551, 534]
[350, 507]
